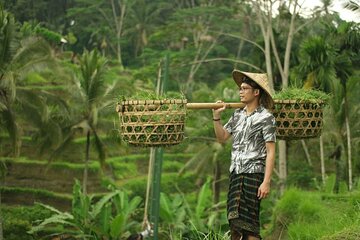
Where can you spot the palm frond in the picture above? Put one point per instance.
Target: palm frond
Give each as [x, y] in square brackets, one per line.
[32, 48]
[65, 143]
[33, 106]
[353, 6]
[199, 161]
[92, 67]
[7, 33]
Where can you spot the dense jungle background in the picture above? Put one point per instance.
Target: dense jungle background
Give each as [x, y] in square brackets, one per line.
[64, 64]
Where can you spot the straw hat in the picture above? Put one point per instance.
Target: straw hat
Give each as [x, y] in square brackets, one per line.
[262, 80]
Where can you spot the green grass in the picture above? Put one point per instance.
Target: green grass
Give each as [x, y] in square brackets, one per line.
[151, 95]
[93, 166]
[123, 170]
[306, 215]
[301, 95]
[37, 192]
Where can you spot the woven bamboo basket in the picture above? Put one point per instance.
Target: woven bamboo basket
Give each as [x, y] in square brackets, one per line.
[298, 119]
[151, 123]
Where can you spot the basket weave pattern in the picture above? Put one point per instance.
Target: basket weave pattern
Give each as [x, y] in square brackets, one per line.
[152, 122]
[298, 119]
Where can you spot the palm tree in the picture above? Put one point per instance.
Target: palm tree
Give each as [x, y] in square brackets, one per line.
[17, 59]
[346, 37]
[142, 15]
[326, 5]
[317, 59]
[326, 63]
[47, 114]
[90, 96]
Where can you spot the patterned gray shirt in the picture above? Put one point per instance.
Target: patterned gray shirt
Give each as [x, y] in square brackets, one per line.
[250, 133]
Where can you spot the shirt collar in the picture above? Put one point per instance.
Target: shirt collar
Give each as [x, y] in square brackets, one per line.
[259, 109]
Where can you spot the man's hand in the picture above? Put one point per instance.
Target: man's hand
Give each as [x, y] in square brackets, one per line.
[263, 190]
[217, 112]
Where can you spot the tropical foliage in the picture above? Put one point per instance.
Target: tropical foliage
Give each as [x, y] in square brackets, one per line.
[65, 64]
[108, 217]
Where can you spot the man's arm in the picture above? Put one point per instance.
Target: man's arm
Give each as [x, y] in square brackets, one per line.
[221, 134]
[264, 188]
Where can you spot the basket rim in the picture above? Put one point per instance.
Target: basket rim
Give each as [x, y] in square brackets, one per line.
[149, 101]
[316, 101]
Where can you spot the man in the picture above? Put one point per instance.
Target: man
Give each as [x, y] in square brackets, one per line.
[253, 153]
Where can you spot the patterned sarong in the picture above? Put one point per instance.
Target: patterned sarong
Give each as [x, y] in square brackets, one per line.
[243, 205]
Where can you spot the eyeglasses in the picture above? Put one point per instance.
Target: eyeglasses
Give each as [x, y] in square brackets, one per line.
[244, 89]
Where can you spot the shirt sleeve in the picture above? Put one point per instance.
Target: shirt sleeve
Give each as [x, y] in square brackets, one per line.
[269, 129]
[229, 125]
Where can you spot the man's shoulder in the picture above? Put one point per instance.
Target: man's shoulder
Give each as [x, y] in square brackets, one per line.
[238, 111]
[266, 113]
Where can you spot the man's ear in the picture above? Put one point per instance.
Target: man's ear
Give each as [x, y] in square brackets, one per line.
[256, 91]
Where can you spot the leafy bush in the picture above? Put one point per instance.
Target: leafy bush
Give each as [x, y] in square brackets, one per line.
[198, 220]
[17, 221]
[107, 218]
[15, 229]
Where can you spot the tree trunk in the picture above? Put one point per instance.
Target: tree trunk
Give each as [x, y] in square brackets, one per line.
[348, 137]
[338, 168]
[266, 28]
[322, 159]
[85, 178]
[201, 54]
[118, 22]
[268, 59]
[282, 165]
[285, 80]
[306, 150]
[240, 47]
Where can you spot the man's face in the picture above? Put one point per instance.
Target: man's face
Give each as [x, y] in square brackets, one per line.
[247, 93]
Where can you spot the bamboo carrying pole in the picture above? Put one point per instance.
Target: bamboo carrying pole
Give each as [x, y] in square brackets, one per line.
[119, 107]
[213, 105]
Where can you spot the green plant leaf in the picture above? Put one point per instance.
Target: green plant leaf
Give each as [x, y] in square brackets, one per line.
[117, 225]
